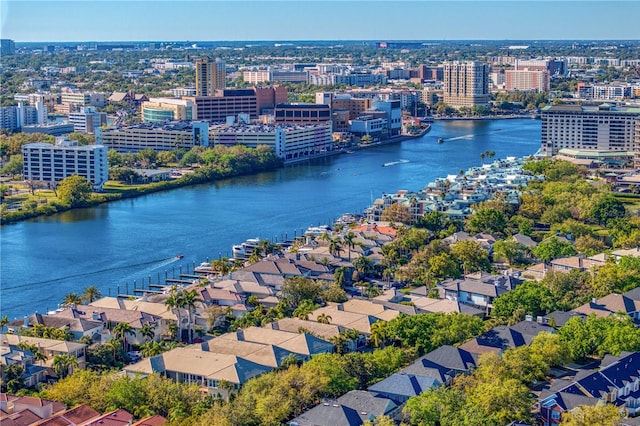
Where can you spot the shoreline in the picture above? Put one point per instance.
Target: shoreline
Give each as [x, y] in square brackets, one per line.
[162, 186]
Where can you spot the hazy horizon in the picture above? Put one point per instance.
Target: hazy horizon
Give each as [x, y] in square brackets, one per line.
[244, 21]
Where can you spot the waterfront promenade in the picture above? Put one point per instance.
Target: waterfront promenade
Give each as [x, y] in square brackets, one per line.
[119, 242]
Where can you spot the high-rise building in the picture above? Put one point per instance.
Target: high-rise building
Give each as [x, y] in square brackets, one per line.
[7, 47]
[210, 76]
[52, 163]
[466, 84]
[87, 120]
[526, 80]
[589, 128]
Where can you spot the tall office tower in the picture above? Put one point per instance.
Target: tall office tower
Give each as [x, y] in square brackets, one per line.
[7, 47]
[210, 75]
[466, 84]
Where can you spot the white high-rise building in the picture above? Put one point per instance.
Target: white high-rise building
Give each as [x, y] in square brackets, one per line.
[466, 84]
[50, 163]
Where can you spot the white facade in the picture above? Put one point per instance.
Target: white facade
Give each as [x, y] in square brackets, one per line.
[84, 98]
[52, 163]
[602, 128]
[87, 120]
[166, 137]
[290, 142]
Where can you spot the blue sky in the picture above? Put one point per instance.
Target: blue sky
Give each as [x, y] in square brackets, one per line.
[100, 20]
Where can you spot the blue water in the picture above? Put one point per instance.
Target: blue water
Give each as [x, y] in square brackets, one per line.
[114, 244]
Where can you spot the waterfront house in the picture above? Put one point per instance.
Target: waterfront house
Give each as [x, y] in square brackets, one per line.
[78, 327]
[111, 317]
[296, 325]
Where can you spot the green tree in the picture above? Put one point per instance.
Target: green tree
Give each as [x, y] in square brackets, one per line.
[13, 166]
[606, 209]
[509, 250]
[597, 415]
[71, 299]
[528, 298]
[350, 240]
[12, 378]
[91, 294]
[552, 249]
[74, 191]
[470, 256]
[297, 289]
[63, 364]
[486, 220]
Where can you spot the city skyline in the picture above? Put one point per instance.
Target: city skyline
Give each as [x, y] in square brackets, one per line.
[64, 21]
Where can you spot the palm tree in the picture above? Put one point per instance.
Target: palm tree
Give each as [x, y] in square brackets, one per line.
[120, 332]
[189, 299]
[482, 155]
[174, 303]
[39, 356]
[149, 349]
[334, 246]
[3, 321]
[350, 241]
[324, 319]
[71, 299]
[62, 363]
[148, 331]
[91, 294]
[378, 333]
[363, 265]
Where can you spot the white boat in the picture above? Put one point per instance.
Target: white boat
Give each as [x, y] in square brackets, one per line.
[244, 250]
[317, 230]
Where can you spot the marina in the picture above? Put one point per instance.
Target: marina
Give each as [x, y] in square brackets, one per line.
[109, 245]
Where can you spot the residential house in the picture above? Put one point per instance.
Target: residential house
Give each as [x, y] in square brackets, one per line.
[260, 353]
[111, 317]
[340, 412]
[296, 325]
[14, 355]
[616, 382]
[504, 337]
[24, 410]
[567, 264]
[78, 327]
[443, 364]
[303, 344]
[399, 387]
[611, 304]
[49, 347]
[77, 415]
[209, 370]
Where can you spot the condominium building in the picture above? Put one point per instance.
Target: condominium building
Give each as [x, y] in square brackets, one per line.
[291, 142]
[159, 137]
[594, 128]
[555, 67]
[526, 80]
[13, 118]
[166, 109]
[256, 77]
[210, 76]
[87, 120]
[466, 84]
[51, 163]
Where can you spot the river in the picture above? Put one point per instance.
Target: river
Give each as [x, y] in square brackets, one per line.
[114, 244]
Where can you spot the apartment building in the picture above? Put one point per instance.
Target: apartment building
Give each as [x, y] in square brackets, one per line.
[211, 75]
[466, 84]
[231, 102]
[51, 163]
[526, 80]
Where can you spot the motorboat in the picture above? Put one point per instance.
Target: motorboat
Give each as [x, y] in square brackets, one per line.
[440, 140]
[180, 256]
[244, 250]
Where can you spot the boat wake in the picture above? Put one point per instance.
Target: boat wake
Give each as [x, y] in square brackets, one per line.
[462, 137]
[393, 163]
[149, 266]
